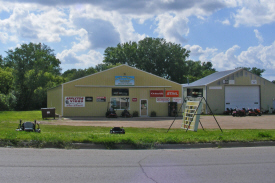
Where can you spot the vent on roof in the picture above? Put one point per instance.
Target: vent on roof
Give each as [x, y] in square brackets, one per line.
[225, 81]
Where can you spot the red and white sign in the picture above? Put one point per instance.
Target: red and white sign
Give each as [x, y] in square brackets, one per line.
[178, 100]
[172, 93]
[74, 101]
[134, 99]
[162, 99]
[156, 93]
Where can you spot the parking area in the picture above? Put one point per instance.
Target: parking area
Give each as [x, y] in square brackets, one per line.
[208, 122]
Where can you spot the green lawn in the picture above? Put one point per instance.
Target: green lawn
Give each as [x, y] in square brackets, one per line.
[64, 136]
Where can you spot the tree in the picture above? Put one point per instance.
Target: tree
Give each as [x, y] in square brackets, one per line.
[153, 55]
[6, 80]
[197, 70]
[32, 64]
[273, 81]
[104, 66]
[73, 74]
[254, 70]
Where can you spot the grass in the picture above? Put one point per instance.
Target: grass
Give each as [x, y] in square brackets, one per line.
[65, 136]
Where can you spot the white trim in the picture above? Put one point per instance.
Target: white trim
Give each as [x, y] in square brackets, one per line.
[215, 87]
[113, 86]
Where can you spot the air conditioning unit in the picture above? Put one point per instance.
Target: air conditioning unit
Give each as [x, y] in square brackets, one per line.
[225, 81]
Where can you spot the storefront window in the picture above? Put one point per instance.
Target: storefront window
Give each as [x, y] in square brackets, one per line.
[120, 92]
[120, 103]
[195, 92]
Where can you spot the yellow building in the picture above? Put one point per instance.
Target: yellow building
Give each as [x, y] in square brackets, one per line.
[122, 87]
[232, 89]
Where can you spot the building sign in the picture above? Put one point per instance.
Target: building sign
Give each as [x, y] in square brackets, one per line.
[172, 93]
[156, 93]
[162, 100]
[101, 99]
[134, 99]
[88, 99]
[125, 80]
[253, 82]
[191, 115]
[178, 100]
[74, 101]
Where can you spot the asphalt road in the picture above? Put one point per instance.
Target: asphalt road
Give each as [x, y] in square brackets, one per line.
[211, 165]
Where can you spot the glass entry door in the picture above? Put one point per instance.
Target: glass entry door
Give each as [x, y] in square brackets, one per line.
[143, 107]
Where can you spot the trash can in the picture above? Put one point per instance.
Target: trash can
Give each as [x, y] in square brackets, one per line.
[48, 112]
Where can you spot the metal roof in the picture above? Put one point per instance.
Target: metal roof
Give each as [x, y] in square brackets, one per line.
[211, 78]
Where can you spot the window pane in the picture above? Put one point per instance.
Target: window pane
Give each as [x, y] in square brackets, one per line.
[124, 103]
[115, 103]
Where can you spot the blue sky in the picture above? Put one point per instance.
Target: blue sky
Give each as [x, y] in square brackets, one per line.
[229, 33]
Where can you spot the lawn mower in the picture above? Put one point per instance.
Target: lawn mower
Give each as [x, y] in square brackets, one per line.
[111, 113]
[117, 130]
[28, 126]
[126, 114]
[255, 112]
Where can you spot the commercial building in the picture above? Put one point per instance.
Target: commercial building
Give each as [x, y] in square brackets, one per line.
[232, 89]
[122, 87]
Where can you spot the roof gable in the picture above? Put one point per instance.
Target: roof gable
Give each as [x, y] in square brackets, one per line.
[212, 77]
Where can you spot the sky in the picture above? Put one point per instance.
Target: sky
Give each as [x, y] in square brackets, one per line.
[228, 33]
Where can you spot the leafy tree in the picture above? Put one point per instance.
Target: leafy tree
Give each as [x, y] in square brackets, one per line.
[104, 66]
[197, 70]
[32, 63]
[73, 74]
[6, 80]
[273, 81]
[254, 70]
[153, 55]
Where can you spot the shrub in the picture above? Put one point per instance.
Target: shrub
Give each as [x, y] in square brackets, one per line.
[153, 114]
[135, 114]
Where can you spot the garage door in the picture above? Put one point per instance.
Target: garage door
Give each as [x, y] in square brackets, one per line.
[242, 97]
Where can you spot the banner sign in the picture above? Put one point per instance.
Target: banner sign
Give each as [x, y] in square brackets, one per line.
[101, 99]
[74, 101]
[191, 116]
[156, 93]
[162, 99]
[88, 99]
[172, 93]
[125, 80]
[178, 100]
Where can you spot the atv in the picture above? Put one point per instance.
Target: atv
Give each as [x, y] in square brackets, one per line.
[28, 126]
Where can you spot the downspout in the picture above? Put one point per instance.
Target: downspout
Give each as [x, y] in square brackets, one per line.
[206, 98]
[62, 102]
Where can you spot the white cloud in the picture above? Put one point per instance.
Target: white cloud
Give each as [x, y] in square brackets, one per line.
[257, 56]
[4, 37]
[258, 36]
[255, 13]
[69, 57]
[226, 22]
[173, 28]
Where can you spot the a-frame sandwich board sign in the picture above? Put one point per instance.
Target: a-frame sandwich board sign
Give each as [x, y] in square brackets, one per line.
[191, 116]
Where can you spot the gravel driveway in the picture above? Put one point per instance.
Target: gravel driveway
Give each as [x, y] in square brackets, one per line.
[208, 122]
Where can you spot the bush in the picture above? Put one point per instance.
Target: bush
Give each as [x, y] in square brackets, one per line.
[7, 102]
[135, 114]
[153, 114]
